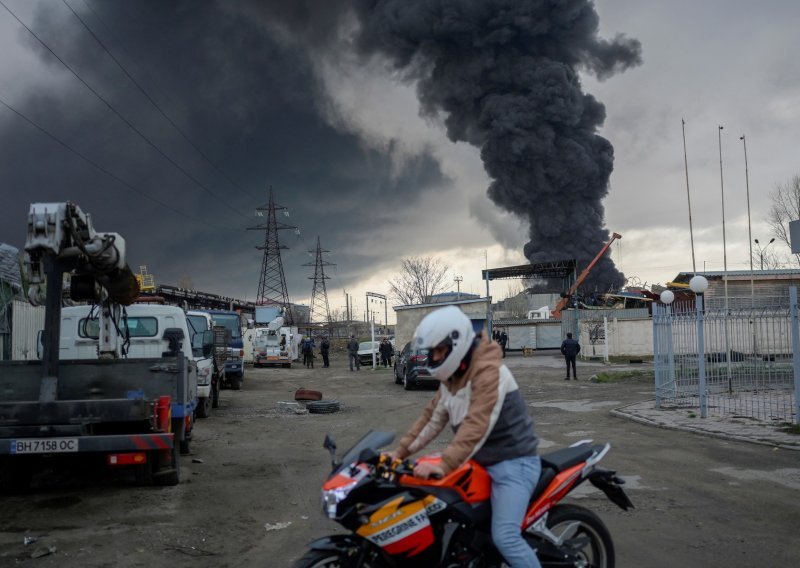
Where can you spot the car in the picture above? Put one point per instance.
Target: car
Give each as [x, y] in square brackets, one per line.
[365, 351]
[410, 368]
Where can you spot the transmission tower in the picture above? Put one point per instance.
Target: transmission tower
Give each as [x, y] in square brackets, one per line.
[319, 295]
[272, 283]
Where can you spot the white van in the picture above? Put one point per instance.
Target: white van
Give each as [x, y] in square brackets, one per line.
[146, 324]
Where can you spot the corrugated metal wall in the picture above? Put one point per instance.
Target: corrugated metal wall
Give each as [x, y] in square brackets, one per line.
[26, 322]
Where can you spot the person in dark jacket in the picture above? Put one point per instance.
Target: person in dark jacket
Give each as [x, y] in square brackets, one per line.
[570, 349]
[308, 352]
[385, 350]
[503, 341]
[352, 353]
[324, 350]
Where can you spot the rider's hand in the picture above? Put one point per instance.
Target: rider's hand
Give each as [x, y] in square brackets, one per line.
[426, 470]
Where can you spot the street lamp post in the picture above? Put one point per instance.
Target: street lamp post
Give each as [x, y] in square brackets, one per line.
[762, 250]
[699, 285]
[749, 229]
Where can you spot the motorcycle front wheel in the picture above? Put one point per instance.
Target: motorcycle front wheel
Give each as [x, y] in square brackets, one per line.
[581, 533]
[331, 559]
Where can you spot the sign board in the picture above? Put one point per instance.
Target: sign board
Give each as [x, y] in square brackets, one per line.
[794, 236]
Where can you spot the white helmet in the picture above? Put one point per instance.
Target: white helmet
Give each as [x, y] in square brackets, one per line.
[449, 326]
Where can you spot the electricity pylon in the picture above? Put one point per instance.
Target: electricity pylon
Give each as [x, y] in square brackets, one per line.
[272, 283]
[320, 312]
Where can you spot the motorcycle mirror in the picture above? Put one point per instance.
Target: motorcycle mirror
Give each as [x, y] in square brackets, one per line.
[330, 445]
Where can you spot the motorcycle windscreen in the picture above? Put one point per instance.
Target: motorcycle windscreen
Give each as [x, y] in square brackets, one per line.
[401, 526]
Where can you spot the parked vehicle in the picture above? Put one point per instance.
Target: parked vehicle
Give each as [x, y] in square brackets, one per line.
[396, 519]
[234, 364]
[276, 344]
[410, 368]
[365, 351]
[117, 411]
[210, 367]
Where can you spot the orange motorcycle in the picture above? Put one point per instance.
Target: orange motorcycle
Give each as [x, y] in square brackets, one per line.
[398, 520]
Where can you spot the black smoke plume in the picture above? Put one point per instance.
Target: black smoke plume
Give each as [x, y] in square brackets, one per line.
[503, 75]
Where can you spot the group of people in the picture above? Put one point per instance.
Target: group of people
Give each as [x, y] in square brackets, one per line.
[501, 337]
[307, 347]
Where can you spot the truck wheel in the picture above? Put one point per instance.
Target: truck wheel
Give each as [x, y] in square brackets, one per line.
[168, 465]
[236, 382]
[204, 406]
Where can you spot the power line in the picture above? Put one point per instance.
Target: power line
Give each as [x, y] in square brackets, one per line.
[119, 115]
[148, 97]
[96, 165]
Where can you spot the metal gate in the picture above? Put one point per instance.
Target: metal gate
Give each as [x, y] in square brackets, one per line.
[737, 361]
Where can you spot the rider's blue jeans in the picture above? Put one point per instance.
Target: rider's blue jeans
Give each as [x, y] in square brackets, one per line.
[512, 484]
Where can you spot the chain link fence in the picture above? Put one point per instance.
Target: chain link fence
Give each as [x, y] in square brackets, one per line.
[737, 362]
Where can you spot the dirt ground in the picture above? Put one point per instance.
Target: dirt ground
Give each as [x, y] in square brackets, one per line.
[249, 494]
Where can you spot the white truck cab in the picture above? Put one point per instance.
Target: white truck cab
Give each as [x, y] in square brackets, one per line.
[208, 376]
[80, 331]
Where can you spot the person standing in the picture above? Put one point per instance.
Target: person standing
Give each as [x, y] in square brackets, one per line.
[481, 400]
[324, 350]
[308, 352]
[503, 341]
[385, 348]
[570, 349]
[352, 353]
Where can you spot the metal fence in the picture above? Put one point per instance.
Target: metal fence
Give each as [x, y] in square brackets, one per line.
[728, 362]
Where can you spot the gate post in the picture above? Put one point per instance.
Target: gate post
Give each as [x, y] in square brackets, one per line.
[795, 351]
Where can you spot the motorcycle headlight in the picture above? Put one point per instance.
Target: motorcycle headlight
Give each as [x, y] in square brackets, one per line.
[332, 497]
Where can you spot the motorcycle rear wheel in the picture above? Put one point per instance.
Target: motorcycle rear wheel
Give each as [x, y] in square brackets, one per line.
[328, 559]
[583, 534]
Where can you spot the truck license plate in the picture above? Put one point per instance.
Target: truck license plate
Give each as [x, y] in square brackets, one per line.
[44, 445]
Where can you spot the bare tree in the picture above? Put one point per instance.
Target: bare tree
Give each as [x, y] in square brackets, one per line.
[516, 300]
[419, 279]
[785, 207]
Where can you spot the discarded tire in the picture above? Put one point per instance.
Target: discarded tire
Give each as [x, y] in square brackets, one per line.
[307, 394]
[323, 406]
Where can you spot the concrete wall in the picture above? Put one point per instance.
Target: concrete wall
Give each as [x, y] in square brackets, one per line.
[625, 337]
[409, 317]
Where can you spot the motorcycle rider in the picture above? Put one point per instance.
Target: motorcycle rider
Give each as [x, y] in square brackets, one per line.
[480, 398]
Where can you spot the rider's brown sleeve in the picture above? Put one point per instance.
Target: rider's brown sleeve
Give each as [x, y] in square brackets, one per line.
[406, 441]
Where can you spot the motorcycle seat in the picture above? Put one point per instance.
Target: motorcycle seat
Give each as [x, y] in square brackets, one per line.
[568, 457]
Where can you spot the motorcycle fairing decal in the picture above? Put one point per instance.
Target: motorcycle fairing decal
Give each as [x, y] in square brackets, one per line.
[346, 477]
[402, 528]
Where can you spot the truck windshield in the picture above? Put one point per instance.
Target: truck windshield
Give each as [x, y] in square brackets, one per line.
[229, 321]
[196, 324]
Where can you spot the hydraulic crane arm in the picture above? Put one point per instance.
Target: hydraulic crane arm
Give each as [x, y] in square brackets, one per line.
[60, 233]
[562, 303]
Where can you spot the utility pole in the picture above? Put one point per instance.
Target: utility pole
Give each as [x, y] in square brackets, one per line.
[319, 294]
[458, 280]
[272, 282]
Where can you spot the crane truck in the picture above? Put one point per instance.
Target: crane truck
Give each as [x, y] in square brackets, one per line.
[276, 344]
[117, 411]
[562, 303]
